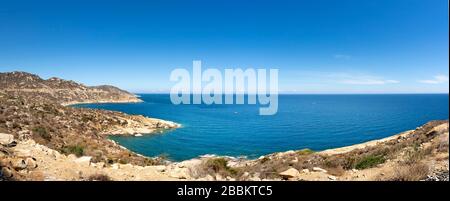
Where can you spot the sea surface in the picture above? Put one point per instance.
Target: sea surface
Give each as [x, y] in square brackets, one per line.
[317, 122]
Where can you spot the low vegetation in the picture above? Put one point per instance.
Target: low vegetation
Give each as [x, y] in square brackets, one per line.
[74, 149]
[370, 161]
[304, 152]
[219, 165]
[413, 172]
[42, 132]
[99, 177]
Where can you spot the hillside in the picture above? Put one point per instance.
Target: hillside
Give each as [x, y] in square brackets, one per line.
[60, 91]
[34, 109]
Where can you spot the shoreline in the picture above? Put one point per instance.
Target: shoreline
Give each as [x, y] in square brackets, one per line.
[47, 160]
[331, 151]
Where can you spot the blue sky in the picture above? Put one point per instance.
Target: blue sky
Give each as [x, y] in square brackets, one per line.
[319, 46]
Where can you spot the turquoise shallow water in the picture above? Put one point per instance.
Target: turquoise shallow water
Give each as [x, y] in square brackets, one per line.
[317, 122]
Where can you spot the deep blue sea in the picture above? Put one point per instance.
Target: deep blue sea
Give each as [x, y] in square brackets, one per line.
[317, 122]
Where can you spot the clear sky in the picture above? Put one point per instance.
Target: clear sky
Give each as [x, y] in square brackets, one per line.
[319, 46]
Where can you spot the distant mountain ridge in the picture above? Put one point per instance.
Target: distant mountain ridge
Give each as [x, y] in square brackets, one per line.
[61, 91]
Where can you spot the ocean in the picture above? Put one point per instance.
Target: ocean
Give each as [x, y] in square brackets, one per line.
[317, 122]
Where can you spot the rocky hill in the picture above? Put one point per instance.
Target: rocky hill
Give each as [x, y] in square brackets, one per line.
[33, 109]
[60, 91]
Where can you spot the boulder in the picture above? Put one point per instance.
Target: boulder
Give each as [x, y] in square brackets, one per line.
[208, 178]
[290, 173]
[31, 163]
[72, 157]
[332, 178]
[99, 165]
[306, 171]
[219, 177]
[115, 166]
[160, 168]
[22, 152]
[318, 169]
[180, 173]
[6, 172]
[18, 164]
[84, 160]
[6, 139]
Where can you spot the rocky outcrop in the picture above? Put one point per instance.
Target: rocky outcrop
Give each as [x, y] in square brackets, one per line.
[290, 173]
[6, 139]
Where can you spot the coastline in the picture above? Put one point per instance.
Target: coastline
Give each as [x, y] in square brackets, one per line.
[173, 125]
[48, 160]
[137, 125]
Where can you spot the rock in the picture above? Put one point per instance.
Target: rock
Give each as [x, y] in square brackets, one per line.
[57, 155]
[115, 166]
[18, 164]
[72, 157]
[160, 168]
[206, 178]
[245, 175]
[219, 177]
[31, 163]
[84, 160]
[22, 152]
[180, 173]
[6, 139]
[332, 178]
[318, 169]
[98, 165]
[209, 178]
[289, 152]
[306, 171]
[290, 173]
[6, 172]
[254, 178]
[295, 160]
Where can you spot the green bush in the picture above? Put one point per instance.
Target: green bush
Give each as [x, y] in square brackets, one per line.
[42, 132]
[369, 161]
[305, 152]
[74, 149]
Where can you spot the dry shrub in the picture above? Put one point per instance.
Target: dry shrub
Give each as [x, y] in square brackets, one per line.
[416, 154]
[99, 177]
[336, 171]
[219, 165]
[442, 144]
[414, 172]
